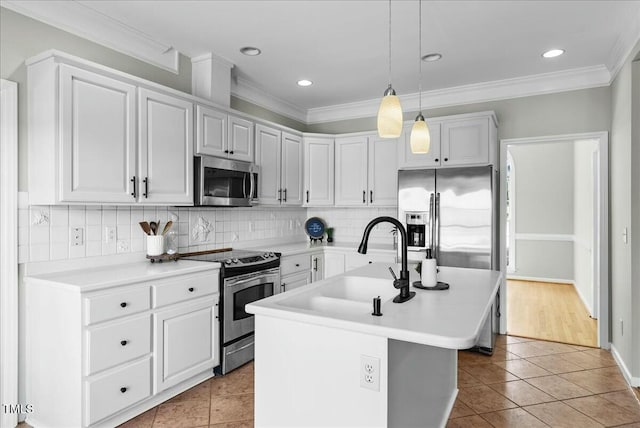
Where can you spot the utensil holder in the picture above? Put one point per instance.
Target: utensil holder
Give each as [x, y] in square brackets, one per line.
[155, 245]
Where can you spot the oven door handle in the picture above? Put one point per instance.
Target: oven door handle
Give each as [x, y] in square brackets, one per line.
[242, 348]
[257, 279]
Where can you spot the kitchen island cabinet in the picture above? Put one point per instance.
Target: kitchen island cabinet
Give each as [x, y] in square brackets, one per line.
[319, 348]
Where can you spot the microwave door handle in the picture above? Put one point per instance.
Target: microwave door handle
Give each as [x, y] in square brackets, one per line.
[252, 185]
[244, 185]
[437, 226]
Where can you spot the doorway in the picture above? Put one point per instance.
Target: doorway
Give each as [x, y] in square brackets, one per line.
[554, 238]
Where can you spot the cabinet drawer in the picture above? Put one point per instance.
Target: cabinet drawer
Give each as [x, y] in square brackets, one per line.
[117, 342]
[169, 292]
[293, 264]
[116, 304]
[116, 390]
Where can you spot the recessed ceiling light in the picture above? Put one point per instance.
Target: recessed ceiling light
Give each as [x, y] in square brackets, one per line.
[305, 82]
[553, 53]
[432, 57]
[250, 51]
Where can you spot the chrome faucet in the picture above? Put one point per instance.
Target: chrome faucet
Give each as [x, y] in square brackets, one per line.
[403, 282]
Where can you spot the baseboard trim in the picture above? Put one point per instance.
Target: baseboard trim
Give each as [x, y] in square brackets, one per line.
[584, 302]
[633, 381]
[538, 279]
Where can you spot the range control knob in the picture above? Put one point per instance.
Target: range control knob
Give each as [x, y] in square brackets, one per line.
[271, 255]
[227, 262]
[265, 256]
[236, 261]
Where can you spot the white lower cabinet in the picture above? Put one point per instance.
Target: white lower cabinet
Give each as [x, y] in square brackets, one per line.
[317, 267]
[186, 342]
[101, 356]
[333, 263]
[337, 261]
[294, 281]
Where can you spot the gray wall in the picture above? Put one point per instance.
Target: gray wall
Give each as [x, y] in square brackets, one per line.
[625, 213]
[544, 205]
[263, 113]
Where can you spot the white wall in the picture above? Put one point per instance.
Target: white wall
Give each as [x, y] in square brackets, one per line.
[544, 208]
[583, 215]
[349, 223]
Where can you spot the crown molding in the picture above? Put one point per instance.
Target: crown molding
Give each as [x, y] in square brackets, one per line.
[250, 92]
[540, 84]
[627, 40]
[83, 21]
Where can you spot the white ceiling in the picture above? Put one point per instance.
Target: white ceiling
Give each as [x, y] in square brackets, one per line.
[342, 45]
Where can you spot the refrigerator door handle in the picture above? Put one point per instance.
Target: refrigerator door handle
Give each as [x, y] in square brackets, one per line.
[431, 223]
[436, 253]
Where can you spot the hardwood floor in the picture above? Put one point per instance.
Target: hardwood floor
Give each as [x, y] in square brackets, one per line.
[549, 311]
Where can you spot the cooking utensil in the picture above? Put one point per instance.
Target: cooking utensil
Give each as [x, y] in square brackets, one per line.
[145, 226]
[167, 227]
[154, 227]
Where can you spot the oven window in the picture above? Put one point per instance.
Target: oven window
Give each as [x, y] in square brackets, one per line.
[223, 183]
[249, 295]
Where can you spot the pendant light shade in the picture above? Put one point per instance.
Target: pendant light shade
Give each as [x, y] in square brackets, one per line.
[390, 115]
[390, 111]
[420, 138]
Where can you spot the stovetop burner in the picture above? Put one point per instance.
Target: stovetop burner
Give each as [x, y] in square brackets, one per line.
[236, 257]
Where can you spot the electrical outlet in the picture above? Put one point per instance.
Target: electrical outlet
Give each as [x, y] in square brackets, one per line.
[109, 234]
[77, 236]
[370, 372]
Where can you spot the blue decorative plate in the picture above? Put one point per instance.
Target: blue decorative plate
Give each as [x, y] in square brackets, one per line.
[314, 227]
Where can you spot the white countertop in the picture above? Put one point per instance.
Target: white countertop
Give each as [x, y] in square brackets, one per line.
[449, 318]
[102, 277]
[303, 247]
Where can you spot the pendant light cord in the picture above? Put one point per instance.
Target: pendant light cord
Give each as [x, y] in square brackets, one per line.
[389, 42]
[420, 55]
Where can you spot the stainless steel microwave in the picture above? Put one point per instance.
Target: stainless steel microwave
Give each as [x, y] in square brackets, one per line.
[224, 183]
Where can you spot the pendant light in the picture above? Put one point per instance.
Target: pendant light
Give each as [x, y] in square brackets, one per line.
[420, 140]
[390, 111]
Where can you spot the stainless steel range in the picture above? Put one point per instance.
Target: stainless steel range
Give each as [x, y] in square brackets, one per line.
[246, 276]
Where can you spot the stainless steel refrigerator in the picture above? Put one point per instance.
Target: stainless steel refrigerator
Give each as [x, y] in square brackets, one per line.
[453, 211]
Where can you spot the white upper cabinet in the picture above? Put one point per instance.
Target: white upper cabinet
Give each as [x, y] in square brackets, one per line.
[166, 149]
[291, 176]
[318, 171]
[279, 156]
[383, 172]
[351, 171]
[97, 131]
[366, 171]
[466, 139]
[223, 135]
[465, 142]
[431, 159]
[97, 136]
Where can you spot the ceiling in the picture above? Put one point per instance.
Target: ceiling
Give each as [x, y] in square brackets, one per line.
[342, 46]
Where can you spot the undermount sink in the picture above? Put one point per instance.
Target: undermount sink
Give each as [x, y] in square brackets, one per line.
[346, 295]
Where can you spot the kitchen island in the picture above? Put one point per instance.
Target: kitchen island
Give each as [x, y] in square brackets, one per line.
[322, 359]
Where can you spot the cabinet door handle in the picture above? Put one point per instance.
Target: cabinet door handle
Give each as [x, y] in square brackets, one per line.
[364, 196]
[284, 286]
[123, 342]
[123, 304]
[285, 195]
[371, 196]
[123, 389]
[307, 196]
[279, 195]
[135, 191]
[146, 187]
[191, 289]
[315, 264]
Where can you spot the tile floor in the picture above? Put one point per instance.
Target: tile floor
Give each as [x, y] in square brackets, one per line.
[526, 383]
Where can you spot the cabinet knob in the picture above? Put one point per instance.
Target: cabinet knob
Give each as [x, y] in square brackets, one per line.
[446, 159]
[231, 152]
[370, 262]
[436, 159]
[123, 304]
[226, 151]
[297, 264]
[191, 289]
[123, 342]
[123, 389]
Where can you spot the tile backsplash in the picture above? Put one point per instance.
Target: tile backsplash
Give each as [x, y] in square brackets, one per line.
[46, 233]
